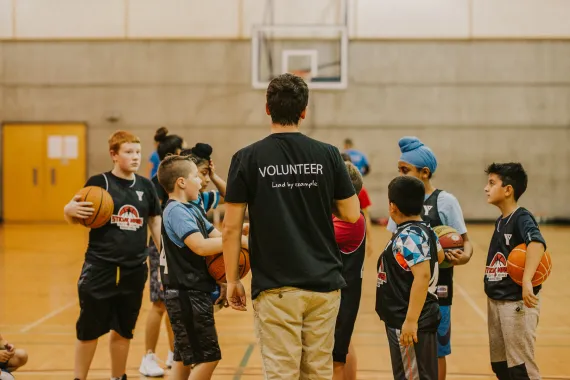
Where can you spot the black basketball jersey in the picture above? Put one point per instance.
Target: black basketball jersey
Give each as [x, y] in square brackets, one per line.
[162, 194]
[518, 228]
[181, 268]
[123, 240]
[395, 278]
[445, 283]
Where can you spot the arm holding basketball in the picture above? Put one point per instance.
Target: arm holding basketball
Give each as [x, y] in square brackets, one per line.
[461, 257]
[534, 252]
[77, 210]
[232, 238]
[203, 247]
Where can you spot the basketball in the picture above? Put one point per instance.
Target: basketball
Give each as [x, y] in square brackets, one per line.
[449, 239]
[102, 203]
[516, 263]
[217, 269]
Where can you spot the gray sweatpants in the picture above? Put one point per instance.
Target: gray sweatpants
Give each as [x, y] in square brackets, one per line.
[512, 335]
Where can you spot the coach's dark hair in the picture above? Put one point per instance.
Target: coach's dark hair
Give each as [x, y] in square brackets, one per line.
[407, 193]
[169, 145]
[510, 173]
[201, 153]
[287, 97]
[172, 168]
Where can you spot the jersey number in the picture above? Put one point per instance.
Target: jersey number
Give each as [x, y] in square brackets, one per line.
[163, 256]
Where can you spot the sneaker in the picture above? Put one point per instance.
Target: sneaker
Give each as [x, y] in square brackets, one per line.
[170, 359]
[149, 366]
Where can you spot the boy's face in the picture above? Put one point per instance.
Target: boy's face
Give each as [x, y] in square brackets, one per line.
[495, 190]
[192, 184]
[128, 157]
[407, 169]
[204, 174]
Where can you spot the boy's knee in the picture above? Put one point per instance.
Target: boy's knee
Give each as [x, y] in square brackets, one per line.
[22, 356]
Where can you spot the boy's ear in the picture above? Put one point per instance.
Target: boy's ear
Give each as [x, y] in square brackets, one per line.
[425, 173]
[392, 208]
[509, 190]
[267, 109]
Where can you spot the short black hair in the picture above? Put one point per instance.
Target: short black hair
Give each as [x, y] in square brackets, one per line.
[287, 97]
[169, 145]
[408, 194]
[510, 173]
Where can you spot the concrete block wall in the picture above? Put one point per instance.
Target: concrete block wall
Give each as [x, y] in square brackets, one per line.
[473, 102]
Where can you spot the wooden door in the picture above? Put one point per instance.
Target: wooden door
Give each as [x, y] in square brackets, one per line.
[43, 166]
[23, 174]
[64, 168]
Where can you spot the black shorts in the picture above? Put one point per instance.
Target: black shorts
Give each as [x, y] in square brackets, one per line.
[192, 318]
[413, 362]
[110, 298]
[349, 305]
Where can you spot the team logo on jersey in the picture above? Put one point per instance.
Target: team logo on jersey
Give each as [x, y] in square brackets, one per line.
[382, 279]
[427, 209]
[508, 238]
[497, 270]
[140, 194]
[128, 218]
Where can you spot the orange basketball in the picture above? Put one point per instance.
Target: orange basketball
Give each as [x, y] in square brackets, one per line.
[516, 262]
[449, 239]
[102, 203]
[217, 269]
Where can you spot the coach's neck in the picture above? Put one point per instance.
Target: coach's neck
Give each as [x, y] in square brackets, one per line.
[279, 128]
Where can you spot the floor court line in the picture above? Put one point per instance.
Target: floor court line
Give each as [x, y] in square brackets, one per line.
[48, 316]
[471, 302]
[244, 360]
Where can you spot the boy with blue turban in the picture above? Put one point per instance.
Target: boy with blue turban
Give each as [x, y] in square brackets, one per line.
[440, 208]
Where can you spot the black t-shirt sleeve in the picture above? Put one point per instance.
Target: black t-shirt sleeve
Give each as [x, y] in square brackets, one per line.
[343, 188]
[154, 203]
[529, 229]
[236, 191]
[97, 180]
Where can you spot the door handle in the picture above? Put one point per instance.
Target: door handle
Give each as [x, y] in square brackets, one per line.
[52, 176]
[35, 176]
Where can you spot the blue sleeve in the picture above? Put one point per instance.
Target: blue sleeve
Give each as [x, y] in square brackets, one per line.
[450, 212]
[180, 223]
[392, 226]
[411, 247]
[154, 158]
[211, 199]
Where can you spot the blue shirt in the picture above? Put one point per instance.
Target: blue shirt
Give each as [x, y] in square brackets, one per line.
[181, 221]
[358, 159]
[155, 161]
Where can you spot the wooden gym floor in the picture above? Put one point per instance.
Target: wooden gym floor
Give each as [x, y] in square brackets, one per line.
[40, 264]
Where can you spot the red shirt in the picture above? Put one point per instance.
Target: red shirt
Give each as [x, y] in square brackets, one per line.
[349, 236]
[364, 199]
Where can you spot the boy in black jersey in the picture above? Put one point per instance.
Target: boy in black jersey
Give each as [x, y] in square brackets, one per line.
[513, 310]
[187, 238]
[115, 272]
[406, 287]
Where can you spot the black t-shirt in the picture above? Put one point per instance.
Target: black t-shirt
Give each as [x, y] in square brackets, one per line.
[289, 182]
[123, 240]
[413, 243]
[181, 268]
[518, 228]
[431, 215]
